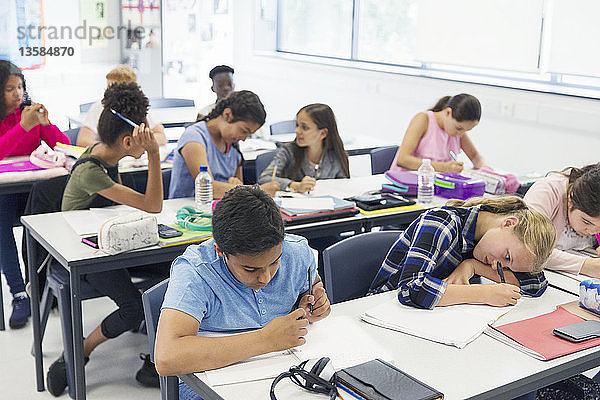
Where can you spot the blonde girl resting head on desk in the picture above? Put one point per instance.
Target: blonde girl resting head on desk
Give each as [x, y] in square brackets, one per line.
[432, 262]
[438, 131]
[571, 199]
[317, 152]
[213, 141]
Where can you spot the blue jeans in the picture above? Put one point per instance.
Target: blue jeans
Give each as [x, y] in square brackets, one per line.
[11, 207]
[187, 393]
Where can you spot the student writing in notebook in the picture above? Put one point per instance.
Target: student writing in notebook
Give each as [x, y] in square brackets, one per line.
[23, 125]
[437, 132]
[88, 133]
[251, 277]
[213, 141]
[432, 262]
[571, 199]
[317, 152]
[94, 179]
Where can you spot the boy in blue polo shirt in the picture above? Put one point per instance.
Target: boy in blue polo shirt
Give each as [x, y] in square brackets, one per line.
[250, 277]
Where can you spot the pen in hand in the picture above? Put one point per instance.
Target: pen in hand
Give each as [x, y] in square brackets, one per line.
[454, 157]
[500, 271]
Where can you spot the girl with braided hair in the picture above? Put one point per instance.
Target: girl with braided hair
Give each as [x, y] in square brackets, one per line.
[212, 141]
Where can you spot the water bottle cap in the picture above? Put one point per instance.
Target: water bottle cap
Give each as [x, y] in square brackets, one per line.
[204, 168]
[426, 161]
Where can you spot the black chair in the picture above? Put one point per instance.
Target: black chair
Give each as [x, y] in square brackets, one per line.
[262, 161]
[85, 107]
[351, 265]
[381, 158]
[152, 300]
[58, 286]
[162, 102]
[283, 127]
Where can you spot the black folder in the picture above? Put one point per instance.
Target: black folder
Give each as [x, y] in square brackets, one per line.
[378, 380]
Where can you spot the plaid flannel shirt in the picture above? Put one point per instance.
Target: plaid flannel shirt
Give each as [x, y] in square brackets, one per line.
[429, 251]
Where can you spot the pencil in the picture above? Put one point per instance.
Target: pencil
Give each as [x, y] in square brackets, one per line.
[598, 237]
[500, 271]
[310, 306]
[274, 170]
[130, 122]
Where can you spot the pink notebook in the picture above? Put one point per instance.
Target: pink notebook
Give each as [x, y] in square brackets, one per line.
[534, 335]
[18, 166]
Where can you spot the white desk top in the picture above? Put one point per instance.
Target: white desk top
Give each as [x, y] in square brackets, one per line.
[483, 365]
[565, 281]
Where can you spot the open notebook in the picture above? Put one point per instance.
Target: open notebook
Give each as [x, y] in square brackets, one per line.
[334, 337]
[452, 325]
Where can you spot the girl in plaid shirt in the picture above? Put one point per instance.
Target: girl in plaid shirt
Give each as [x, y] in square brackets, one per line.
[432, 262]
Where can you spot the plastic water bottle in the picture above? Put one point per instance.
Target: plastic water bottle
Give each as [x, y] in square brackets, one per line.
[426, 180]
[203, 191]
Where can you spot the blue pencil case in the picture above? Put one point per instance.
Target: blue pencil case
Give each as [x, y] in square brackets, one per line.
[589, 295]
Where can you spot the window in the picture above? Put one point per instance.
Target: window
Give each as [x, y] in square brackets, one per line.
[316, 27]
[543, 45]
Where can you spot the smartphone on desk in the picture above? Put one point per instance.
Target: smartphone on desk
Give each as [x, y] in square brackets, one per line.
[579, 332]
[91, 241]
[166, 232]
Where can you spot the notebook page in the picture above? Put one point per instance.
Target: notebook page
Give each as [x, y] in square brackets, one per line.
[456, 325]
[343, 340]
[264, 366]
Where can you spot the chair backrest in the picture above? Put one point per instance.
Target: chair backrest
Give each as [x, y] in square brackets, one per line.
[381, 158]
[263, 161]
[162, 102]
[351, 264]
[85, 107]
[72, 135]
[166, 179]
[283, 127]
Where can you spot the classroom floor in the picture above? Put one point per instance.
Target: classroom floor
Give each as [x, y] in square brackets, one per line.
[110, 374]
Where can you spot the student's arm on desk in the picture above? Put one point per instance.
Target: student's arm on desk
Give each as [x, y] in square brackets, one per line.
[415, 131]
[179, 351]
[459, 291]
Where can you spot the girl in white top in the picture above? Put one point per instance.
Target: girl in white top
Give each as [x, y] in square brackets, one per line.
[571, 199]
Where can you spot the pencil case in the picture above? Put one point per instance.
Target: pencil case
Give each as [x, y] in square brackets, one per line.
[589, 295]
[402, 182]
[453, 185]
[128, 232]
[497, 183]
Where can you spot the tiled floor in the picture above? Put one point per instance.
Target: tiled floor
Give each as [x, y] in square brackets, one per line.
[110, 374]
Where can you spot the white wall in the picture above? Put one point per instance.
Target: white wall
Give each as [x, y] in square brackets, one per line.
[520, 131]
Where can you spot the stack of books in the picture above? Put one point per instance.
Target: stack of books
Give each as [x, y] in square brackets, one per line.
[313, 209]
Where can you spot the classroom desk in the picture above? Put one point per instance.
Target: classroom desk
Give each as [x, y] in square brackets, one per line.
[485, 369]
[64, 245]
[565, 281]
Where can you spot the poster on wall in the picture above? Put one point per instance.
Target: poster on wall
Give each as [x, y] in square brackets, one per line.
[28, 14]
[93, 14]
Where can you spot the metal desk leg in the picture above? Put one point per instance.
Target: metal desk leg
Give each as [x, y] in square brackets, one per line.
[77, 334]
[35, 313]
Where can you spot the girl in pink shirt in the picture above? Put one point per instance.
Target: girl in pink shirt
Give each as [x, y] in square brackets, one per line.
[436, 132]
[571, 199]
[22, 126]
